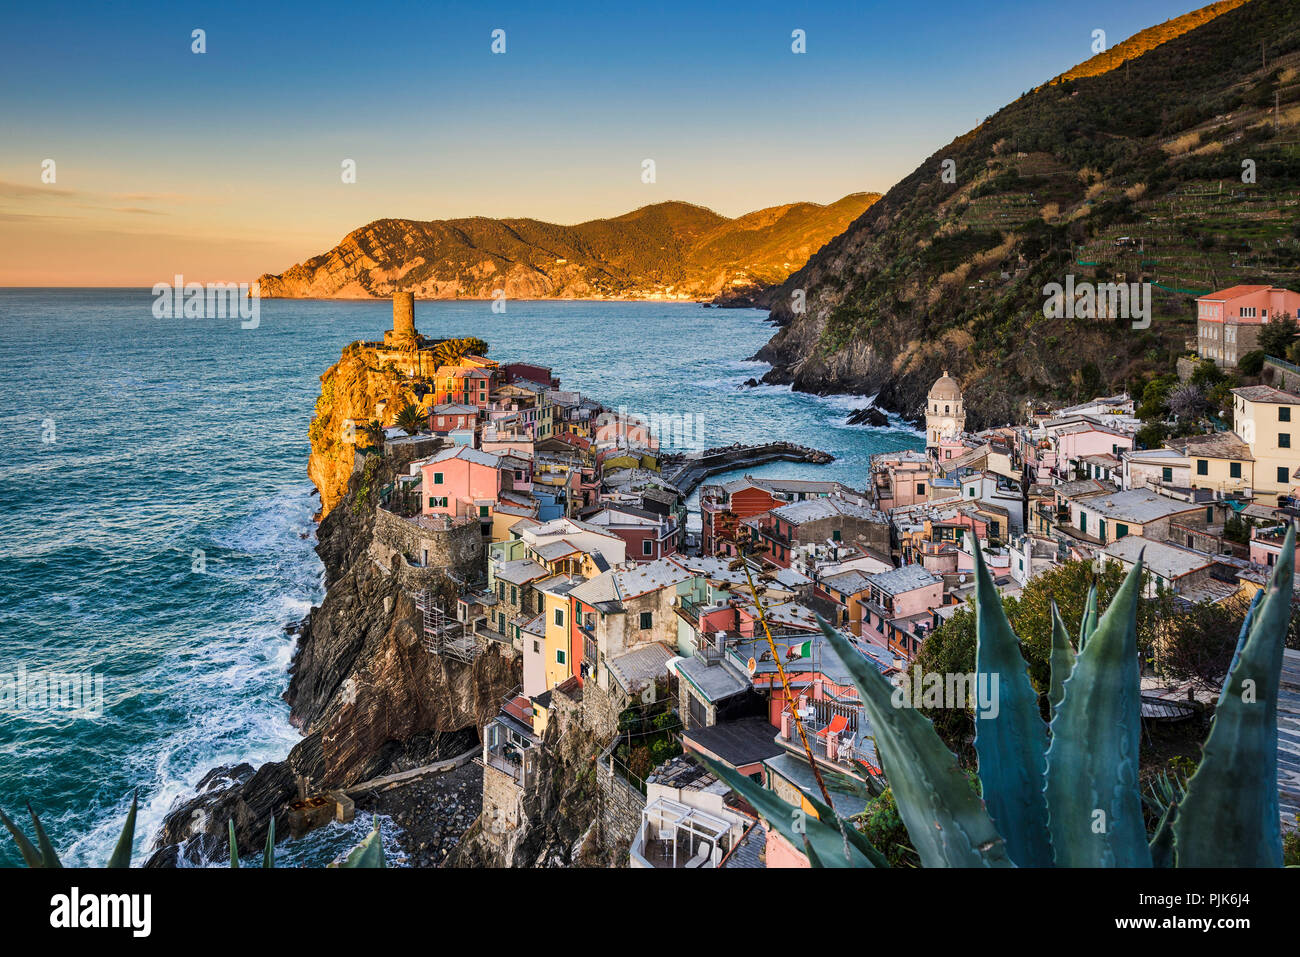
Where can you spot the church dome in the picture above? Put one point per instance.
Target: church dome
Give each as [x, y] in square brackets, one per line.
[945, 389]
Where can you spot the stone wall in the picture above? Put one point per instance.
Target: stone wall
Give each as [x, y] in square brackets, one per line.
[502, 805]
[621, 805]
[454, 547]
[601, 708]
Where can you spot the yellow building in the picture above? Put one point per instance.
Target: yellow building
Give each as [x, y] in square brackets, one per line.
[1265, 418]
[557, 654]
[1220, 461]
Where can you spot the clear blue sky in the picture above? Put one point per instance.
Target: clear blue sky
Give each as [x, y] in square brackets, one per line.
[229, 162]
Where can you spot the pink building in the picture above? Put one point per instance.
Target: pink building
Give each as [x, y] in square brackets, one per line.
[1228, 321]
[1076, 440]
[901, 593]
[900, 479]
[461, 481]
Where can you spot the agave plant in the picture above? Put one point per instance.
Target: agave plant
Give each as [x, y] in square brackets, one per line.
[46, 856]
[369, 853]
[1066, 793]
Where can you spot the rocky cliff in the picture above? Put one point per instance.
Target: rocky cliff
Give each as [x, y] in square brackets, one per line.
[1128, 174]
[369, 697]
[350, 391]
[668, 250]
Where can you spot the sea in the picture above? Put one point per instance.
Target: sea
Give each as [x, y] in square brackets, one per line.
[156, 530]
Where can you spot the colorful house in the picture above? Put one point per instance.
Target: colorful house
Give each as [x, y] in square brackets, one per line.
[1268, 421]
[1228, 322]
[461, 481]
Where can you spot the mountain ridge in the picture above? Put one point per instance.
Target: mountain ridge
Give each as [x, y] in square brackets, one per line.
[668, 250]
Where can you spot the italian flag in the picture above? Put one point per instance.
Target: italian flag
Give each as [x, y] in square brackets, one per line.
[800, 651]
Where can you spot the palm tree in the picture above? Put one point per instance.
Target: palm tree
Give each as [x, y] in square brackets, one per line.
[409, 418]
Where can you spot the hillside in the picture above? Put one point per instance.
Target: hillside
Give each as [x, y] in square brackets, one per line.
[1134, 174]
[665, 251]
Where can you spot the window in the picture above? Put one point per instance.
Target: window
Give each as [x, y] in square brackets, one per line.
[514, 595]
[1284, 440]
[1101, 529]
[1120, 530]
[920, 488]
[835, 535]
[1234, 469]
[647, 620]
[559, 656]
[484, 511]
[1282, 475]
[647, 547]
[437, 478]
[972, 491]
[1209, 515]
[1284, 413]
[559, 617]
[1083, 521]
[1167, 474]
[1202, 467]
[537, 647]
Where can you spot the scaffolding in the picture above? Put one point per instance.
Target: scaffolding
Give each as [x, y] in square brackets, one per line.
[445, 635]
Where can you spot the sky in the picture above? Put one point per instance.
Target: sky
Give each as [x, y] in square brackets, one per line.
[226, 164]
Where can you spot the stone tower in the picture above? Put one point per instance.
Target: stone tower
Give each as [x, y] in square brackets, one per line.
[945, 415]
[403, 331]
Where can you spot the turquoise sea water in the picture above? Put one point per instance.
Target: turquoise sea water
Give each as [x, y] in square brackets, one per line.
[155, 515]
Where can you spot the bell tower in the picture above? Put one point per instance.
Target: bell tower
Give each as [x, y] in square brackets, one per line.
[945, 414]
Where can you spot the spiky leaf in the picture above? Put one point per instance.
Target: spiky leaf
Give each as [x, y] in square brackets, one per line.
[855, 837]
[369, 853]
[1162, 843]
[1010, 737]
[48, 857]
[268, 856]
[793, 823]
[31, 856]
[122, 852]
[1230, 816]
[1088, 623]
[944, 818]
[1061, 660]
[1094, 806]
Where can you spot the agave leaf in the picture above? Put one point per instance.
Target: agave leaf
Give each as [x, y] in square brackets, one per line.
[1088, 623]
[794, 825]
[855, 837]
[234, 845]
[1094, 805]
[1162, 843]
[30, 855]
[268, 856]
[369, 853]
[1010, 737]
[122, 853]
[48, 857]
[1241, 640]
[945, 819]
[813, 859]
[1062, 659]
[1230, 815]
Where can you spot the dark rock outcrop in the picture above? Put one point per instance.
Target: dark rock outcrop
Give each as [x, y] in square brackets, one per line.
[369, 696]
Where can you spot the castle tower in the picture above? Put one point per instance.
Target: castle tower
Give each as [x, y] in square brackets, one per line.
[403, 332]
[945, 414]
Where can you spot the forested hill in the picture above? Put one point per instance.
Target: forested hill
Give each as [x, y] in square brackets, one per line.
[1133, 174]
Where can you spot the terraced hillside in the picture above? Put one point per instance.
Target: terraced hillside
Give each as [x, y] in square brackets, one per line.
[1176, 169]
